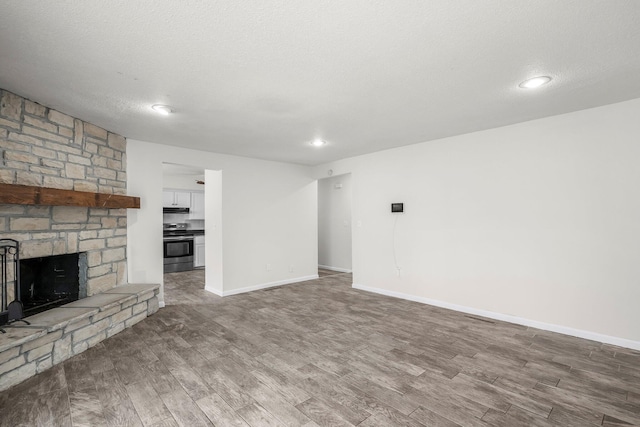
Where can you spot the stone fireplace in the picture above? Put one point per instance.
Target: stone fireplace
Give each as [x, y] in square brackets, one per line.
[40, 146]
[72, 258]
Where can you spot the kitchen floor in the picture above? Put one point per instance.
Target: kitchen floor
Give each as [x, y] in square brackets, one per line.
[176, 283]
[323, 353]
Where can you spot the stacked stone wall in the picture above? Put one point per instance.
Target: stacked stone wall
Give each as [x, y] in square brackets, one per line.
[43, 147]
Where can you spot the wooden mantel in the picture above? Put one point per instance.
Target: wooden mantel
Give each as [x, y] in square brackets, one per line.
[30, 195]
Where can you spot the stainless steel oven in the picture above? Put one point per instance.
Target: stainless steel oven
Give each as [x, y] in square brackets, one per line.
[178, 250]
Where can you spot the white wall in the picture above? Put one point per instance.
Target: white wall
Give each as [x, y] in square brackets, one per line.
[183, 182]
[269, 216]
[334, 222]
[214, 250]
[537, 222]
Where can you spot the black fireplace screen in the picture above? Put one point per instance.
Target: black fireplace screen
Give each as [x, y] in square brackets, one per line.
[49, 282]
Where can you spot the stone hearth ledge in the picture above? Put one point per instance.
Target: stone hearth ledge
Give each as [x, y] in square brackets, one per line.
[58, 334]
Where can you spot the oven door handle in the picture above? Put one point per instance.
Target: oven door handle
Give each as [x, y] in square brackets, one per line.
[177, 239]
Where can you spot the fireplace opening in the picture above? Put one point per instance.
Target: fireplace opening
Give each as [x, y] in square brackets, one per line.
[49, 282]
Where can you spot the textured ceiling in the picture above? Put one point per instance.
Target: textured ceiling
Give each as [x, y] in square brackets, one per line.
[263, 78]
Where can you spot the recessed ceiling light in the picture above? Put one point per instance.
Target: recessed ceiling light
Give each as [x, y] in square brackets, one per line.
[162, 109]
[318, 142]
[535, 82]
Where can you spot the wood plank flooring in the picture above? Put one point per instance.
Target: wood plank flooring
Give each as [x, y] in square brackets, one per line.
[320, 353]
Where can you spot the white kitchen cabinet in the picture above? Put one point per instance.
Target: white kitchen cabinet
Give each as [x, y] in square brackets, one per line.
[176, 199]
[168, 198]
[198, 244]
[197, 205]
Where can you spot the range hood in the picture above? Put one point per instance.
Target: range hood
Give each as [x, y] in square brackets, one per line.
[175, 210]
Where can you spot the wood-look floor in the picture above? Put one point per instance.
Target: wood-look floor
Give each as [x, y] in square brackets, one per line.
[321, 353]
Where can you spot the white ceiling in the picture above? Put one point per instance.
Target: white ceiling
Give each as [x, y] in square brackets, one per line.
[261, 78]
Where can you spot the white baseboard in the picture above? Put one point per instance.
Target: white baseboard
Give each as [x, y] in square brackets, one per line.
[607, 339]
[341, 270]
[213, 291]
[262, 286]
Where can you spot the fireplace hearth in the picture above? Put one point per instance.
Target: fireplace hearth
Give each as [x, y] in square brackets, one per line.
[49, 282]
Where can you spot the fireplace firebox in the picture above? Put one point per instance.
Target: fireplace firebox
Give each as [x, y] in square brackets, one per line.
[49, 282]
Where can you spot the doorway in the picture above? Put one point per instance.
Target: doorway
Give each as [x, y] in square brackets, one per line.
[183, 221]
[334, 225]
